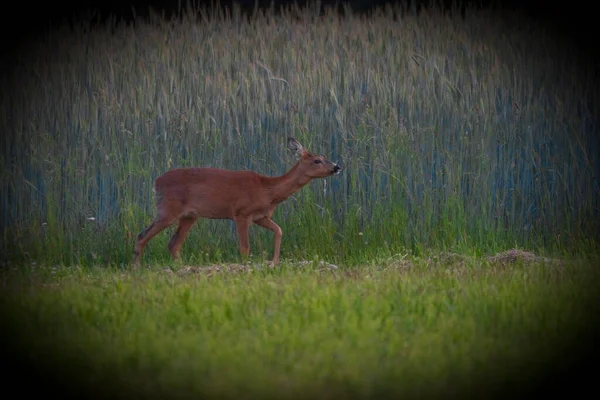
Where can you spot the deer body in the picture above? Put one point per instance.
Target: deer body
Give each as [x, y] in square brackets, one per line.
[223, 194]
[186, 194]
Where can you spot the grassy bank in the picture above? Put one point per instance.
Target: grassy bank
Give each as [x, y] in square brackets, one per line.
[422, 327]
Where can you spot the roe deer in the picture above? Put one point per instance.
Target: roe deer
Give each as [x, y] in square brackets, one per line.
[186, 194]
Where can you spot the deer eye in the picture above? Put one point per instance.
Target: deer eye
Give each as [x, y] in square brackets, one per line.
[317, 161]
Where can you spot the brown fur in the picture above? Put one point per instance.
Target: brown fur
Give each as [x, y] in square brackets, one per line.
[186, 194]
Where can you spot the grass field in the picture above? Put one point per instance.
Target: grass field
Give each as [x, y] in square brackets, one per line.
[435, 327]
[461, 136]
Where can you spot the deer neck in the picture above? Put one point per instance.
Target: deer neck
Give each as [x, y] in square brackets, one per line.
[286, 185]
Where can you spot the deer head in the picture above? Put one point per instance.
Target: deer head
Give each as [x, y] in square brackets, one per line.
[312, 165]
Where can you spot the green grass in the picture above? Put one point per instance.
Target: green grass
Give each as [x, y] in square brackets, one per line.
[431, 326]
[464, 134]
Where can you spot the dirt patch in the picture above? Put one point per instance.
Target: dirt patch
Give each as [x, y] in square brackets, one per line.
[448, 257]
[237, 268]
[403, 264]
[514, 255]
[321, 265]
[210, 270]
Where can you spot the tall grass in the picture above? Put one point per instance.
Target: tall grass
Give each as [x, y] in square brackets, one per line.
[414, 328]
[465, 133]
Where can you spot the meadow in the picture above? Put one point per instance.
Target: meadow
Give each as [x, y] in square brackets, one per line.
[461, 137]
[434, 327]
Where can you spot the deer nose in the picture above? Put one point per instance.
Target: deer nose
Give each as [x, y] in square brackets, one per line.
[336, 169]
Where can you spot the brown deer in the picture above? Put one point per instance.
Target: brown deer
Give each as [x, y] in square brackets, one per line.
[186, 194]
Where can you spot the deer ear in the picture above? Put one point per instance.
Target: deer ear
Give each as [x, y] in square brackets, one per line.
[296, 147]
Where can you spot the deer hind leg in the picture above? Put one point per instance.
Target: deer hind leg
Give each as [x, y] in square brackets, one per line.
[185, 224]
[144, 237]
[269, 224]
[242, 226]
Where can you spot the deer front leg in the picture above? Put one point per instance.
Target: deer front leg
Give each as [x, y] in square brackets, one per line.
[268, 223]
